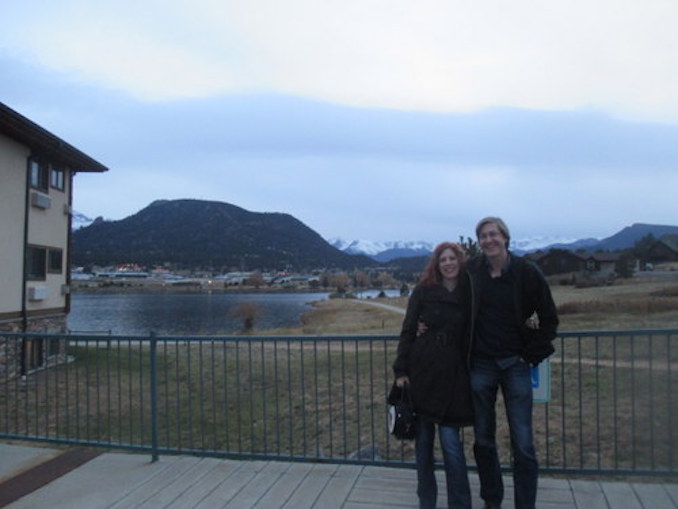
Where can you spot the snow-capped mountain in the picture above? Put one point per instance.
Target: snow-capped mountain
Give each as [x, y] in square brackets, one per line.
[389, 250]
[384, 251]
[540, 242]
[80, 220]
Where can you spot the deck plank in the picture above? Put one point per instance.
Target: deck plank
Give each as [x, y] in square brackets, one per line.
[653, 495]
[620, 495]
[181, 482]
[589, 494]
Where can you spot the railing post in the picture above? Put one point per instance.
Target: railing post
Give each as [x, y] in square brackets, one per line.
[154, 397]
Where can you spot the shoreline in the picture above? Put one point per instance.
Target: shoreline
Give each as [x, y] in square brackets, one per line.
[127, 288]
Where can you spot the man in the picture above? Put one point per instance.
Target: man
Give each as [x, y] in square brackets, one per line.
[514, 323]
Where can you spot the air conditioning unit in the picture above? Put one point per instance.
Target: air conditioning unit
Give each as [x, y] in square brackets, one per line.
[38, 293]
[41, 201]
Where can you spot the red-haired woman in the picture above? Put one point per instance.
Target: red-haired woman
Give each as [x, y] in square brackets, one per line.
[434, 364]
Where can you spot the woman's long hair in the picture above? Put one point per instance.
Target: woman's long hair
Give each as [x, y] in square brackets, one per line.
[431, 274]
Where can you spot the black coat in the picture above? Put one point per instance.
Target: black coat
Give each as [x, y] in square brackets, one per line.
[435, 361]
[531, 295]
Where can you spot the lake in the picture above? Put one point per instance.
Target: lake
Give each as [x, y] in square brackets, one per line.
[183, 313]
[186, 314]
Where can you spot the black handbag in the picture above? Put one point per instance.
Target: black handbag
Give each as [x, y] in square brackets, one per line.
[401, 415]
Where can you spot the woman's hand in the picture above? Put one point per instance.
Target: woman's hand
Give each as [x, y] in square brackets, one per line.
[421, 328]
[402, 381]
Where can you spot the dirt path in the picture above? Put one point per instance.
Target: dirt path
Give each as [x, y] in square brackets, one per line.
[395, 309]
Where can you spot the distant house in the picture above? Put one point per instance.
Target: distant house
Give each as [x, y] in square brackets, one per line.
[664, 250]
[601, 264]
[558, 261]
[36, 193]
[562, 261]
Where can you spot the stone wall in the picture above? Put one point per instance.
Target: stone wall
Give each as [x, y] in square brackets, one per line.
[19, 356]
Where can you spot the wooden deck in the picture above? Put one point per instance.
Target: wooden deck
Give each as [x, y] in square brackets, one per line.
[33, 477]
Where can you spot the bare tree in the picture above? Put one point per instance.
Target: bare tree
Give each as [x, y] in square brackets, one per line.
[256, 279]
[341, 282]
[248, 312]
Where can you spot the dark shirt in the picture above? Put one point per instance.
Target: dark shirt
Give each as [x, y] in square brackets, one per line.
[496, 333]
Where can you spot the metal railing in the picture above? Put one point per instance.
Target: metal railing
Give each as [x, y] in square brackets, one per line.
[612, 408]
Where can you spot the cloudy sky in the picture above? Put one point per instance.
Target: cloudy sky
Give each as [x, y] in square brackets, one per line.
[365, 119]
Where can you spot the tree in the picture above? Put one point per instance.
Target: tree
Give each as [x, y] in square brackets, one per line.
[624, 265]
[340, 282]
[248, 312]
[386, 280]
[326, 279]
[256, 279]
[470, 246]
[361, 279]
[641, 249]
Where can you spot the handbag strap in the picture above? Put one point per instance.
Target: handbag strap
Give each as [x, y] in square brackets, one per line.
[406, 393]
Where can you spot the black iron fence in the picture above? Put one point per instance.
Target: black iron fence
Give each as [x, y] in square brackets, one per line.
[612, 408]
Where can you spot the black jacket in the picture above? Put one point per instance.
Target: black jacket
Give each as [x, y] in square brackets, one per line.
[435, 361]
[531, 294]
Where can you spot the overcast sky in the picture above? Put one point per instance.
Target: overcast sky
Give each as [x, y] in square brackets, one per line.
[365, 119]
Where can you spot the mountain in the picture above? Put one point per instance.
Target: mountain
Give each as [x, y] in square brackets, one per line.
[394, 250]
[397, 251]
[208, 235]
[384, 251]
[527, 245]
[624, 239]
[79, 220]
[632, 234]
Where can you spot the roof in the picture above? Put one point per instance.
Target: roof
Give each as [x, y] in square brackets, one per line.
[600, 257]
[670, 240]
[41, 141]
[604, 257]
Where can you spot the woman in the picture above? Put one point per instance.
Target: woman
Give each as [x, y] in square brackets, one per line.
[434, 364]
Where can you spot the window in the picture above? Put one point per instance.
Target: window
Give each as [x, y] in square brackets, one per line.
[57, 178]
[43, 260]
[38, 175]
[55, 261]
[36, 263]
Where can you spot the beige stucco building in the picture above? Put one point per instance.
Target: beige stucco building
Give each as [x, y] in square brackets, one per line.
[36, 191]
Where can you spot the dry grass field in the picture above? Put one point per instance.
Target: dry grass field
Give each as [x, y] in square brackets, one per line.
[647, 301]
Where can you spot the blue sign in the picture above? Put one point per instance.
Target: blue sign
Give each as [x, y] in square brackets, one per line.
[541, 382]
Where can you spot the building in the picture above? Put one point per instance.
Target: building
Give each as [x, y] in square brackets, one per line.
[664, 250]
[36, 192]
[562, 261]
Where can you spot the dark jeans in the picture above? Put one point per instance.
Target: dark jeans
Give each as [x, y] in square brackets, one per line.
[514, 378]
[456, 475]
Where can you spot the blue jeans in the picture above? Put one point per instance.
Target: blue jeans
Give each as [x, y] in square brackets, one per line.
[456, 475]
[514, 377]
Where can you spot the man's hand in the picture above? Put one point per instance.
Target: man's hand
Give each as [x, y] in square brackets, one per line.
[537, 352]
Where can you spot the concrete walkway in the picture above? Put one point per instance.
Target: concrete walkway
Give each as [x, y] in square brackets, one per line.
[33, 477]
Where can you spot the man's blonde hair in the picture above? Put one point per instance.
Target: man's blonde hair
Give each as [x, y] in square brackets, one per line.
[500, 224]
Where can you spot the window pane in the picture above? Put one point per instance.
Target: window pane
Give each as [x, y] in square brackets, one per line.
[57, 178]
[35, 173]
[36, 263]
[38, 175]
[55, 261]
